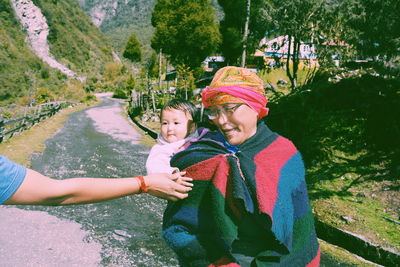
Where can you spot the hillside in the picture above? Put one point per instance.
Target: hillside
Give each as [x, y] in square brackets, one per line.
[119, 19]
[73, 41]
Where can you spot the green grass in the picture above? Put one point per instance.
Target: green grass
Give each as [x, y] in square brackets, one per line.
[273, 76]
[364, 204]
[357, 193]
[347, 133]
[156, 126]
[146, 140]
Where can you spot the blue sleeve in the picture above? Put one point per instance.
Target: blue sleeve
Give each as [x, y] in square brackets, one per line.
[11, 177]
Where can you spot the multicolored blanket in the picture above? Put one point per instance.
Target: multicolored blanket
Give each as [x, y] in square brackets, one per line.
[254, 194]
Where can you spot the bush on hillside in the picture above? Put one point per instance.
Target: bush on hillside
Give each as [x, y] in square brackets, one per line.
[43, 95]
[90, 97]
[120, 93]
[354, 121]
[112, 70]
[74, 91]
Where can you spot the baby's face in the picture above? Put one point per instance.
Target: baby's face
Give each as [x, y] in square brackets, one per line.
[175, 125]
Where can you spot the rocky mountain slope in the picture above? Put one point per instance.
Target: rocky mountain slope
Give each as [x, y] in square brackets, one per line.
[35, 24]
[75, 47]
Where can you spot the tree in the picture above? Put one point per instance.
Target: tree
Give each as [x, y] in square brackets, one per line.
[328, 31]
[185, 30]
[151, 66]
[186, 82]
[113, 70]
[232, 27]
[130, 83]
[296, 20]
[132, 49]
[372, 27]
[246, 32]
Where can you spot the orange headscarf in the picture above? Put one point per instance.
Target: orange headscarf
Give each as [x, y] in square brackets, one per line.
[236, 85]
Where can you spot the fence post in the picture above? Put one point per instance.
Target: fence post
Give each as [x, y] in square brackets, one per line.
[1, 128]
[58, 107]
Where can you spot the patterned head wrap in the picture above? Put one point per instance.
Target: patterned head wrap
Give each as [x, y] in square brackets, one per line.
[236, 85]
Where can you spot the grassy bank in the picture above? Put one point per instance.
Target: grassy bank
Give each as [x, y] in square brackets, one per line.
[146, 140]
[347, 132]
[368, 209]
[348, 135]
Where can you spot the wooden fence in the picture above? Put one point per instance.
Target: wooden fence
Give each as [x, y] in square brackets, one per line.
[10, 127]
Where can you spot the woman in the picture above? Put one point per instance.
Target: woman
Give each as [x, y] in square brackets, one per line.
[249, 204]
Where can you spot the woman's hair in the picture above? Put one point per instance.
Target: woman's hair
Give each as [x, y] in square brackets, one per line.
[183, 105]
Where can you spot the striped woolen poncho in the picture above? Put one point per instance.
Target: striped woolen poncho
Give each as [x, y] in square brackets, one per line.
[251, 200]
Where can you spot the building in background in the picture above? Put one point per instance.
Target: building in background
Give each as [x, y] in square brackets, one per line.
[275, 52]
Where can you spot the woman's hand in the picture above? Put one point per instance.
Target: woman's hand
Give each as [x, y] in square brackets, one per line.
[168, 186]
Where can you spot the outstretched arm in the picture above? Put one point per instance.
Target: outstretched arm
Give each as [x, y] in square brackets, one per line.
[38, 189]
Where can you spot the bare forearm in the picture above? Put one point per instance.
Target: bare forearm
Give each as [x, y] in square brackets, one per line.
[38, 189]
[41, 190]
[88, 190]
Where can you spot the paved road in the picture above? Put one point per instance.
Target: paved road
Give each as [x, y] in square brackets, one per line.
[35, 238]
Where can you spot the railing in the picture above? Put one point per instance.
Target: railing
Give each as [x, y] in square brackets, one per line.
[153, 134]
[8, 128]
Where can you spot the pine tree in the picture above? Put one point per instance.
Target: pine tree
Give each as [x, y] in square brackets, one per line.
[132, 49]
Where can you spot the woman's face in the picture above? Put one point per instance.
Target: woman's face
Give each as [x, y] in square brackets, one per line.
[238, 125]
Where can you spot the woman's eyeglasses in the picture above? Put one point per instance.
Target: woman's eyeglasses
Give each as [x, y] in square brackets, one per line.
[228, 110]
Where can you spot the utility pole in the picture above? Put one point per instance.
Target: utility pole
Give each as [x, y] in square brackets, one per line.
[186, 92]
[150, 89]
[159, 73]
[166, 73]
[246, 32]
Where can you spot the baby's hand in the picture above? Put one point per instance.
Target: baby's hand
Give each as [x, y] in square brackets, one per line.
[181, 179]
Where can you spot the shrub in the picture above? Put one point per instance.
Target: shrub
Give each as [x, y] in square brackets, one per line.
[112, 70]
[43, 95]
[44, 74]
[74, 91]
[90, 97]
[120, 93]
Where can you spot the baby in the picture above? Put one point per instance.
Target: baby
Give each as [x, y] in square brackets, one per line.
[178, 128]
